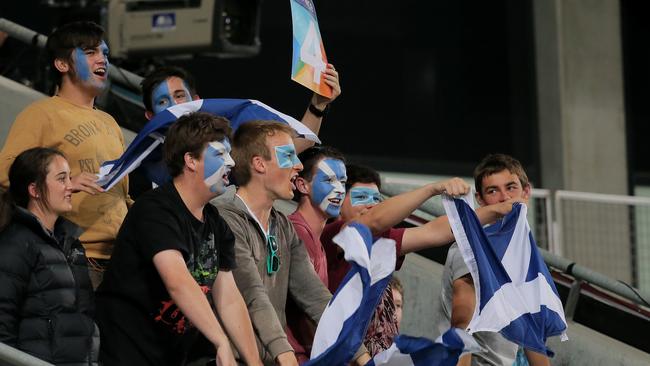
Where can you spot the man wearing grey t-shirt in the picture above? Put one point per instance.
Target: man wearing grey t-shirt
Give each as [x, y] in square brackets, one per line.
[498, 179]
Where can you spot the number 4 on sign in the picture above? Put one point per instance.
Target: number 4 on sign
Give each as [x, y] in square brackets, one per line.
[310, 52]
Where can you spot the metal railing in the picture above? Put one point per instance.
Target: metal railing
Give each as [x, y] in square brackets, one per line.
[542, 224]
[10, 356]
[607, 233]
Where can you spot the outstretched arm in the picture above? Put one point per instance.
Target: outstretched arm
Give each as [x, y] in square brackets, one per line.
[320, 102]
[395, 209]
[187, 295]
[233, 313]
[437, 232]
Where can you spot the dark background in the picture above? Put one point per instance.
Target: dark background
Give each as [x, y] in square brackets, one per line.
[428, 86]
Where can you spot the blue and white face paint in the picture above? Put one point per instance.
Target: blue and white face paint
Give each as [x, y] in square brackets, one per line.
[168, 93]
[286, 156]
[328, 186]
[216, 165]
[364, 196]
[91, 65]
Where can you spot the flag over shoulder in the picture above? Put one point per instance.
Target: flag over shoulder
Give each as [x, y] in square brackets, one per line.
[515, 293]
[344, 322]
[145, 148]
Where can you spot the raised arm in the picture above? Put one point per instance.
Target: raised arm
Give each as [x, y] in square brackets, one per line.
[311, 120]
[189, 298]
[395, 209]
[437, 232]
[233, 313]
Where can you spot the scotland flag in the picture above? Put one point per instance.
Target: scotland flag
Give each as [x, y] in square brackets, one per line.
[414, 351]
[145, 147]
[515, 294]
[344, 322]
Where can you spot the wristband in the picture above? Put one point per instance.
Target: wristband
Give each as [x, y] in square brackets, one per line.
[317, 112]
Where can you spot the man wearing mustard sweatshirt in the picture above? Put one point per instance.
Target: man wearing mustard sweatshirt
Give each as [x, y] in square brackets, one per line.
[68, 121]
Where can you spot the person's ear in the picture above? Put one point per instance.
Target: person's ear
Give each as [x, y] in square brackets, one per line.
[479, 199]
[33, 192]
[195, 97]
[148, 115]
[190, 162]
[302, 185]
[526, 192]
[259, 165]
[61, 65]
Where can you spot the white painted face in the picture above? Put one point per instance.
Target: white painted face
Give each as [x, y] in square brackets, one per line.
[328, 186]
[217, 163]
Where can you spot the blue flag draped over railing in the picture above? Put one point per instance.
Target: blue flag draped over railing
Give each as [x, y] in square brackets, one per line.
[145, 148]
[416, 351]
[344, 322]
[515, 293]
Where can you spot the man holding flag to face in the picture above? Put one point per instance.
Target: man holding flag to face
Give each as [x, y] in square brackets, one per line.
[493, 266]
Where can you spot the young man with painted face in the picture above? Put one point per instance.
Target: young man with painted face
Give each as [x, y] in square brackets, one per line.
[172, 251]
[272, 262]
[363, 203]
[500, 180]
[70, 123]
[320, 189]
[170, 85]
[164, 87]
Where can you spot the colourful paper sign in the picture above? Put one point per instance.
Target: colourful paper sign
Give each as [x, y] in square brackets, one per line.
[309, 61]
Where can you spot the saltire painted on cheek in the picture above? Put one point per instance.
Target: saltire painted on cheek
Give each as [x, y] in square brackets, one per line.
[286, 156]
[364, 196]
[515, 293]
[145, 148]
[162, 98]
[328, 184]
[216, 164]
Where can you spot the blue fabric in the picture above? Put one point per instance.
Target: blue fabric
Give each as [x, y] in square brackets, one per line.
[424, 352]
[531, 327]
[237, 111]
[350, 337]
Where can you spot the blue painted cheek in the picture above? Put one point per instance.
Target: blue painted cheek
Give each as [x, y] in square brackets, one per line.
[320, 189]
[286, 156]
[161, 92]
[81, 64]
[104, 48]
[211, 164]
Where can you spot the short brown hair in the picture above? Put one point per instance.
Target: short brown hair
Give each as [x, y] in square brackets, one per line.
[65, 39]
[250, 141]
[495, 163]
[190, 134]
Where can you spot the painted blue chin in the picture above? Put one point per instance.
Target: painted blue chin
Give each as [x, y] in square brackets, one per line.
[333, 211]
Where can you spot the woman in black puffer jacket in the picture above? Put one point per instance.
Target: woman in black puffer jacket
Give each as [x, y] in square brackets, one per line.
[46, 299]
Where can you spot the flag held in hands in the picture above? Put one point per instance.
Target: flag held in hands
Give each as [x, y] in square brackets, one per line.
[515, 293]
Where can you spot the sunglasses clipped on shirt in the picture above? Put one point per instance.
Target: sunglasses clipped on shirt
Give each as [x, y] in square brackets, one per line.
[272, 258]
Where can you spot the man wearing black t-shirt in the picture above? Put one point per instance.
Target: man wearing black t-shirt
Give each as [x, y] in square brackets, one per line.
[172, 251]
